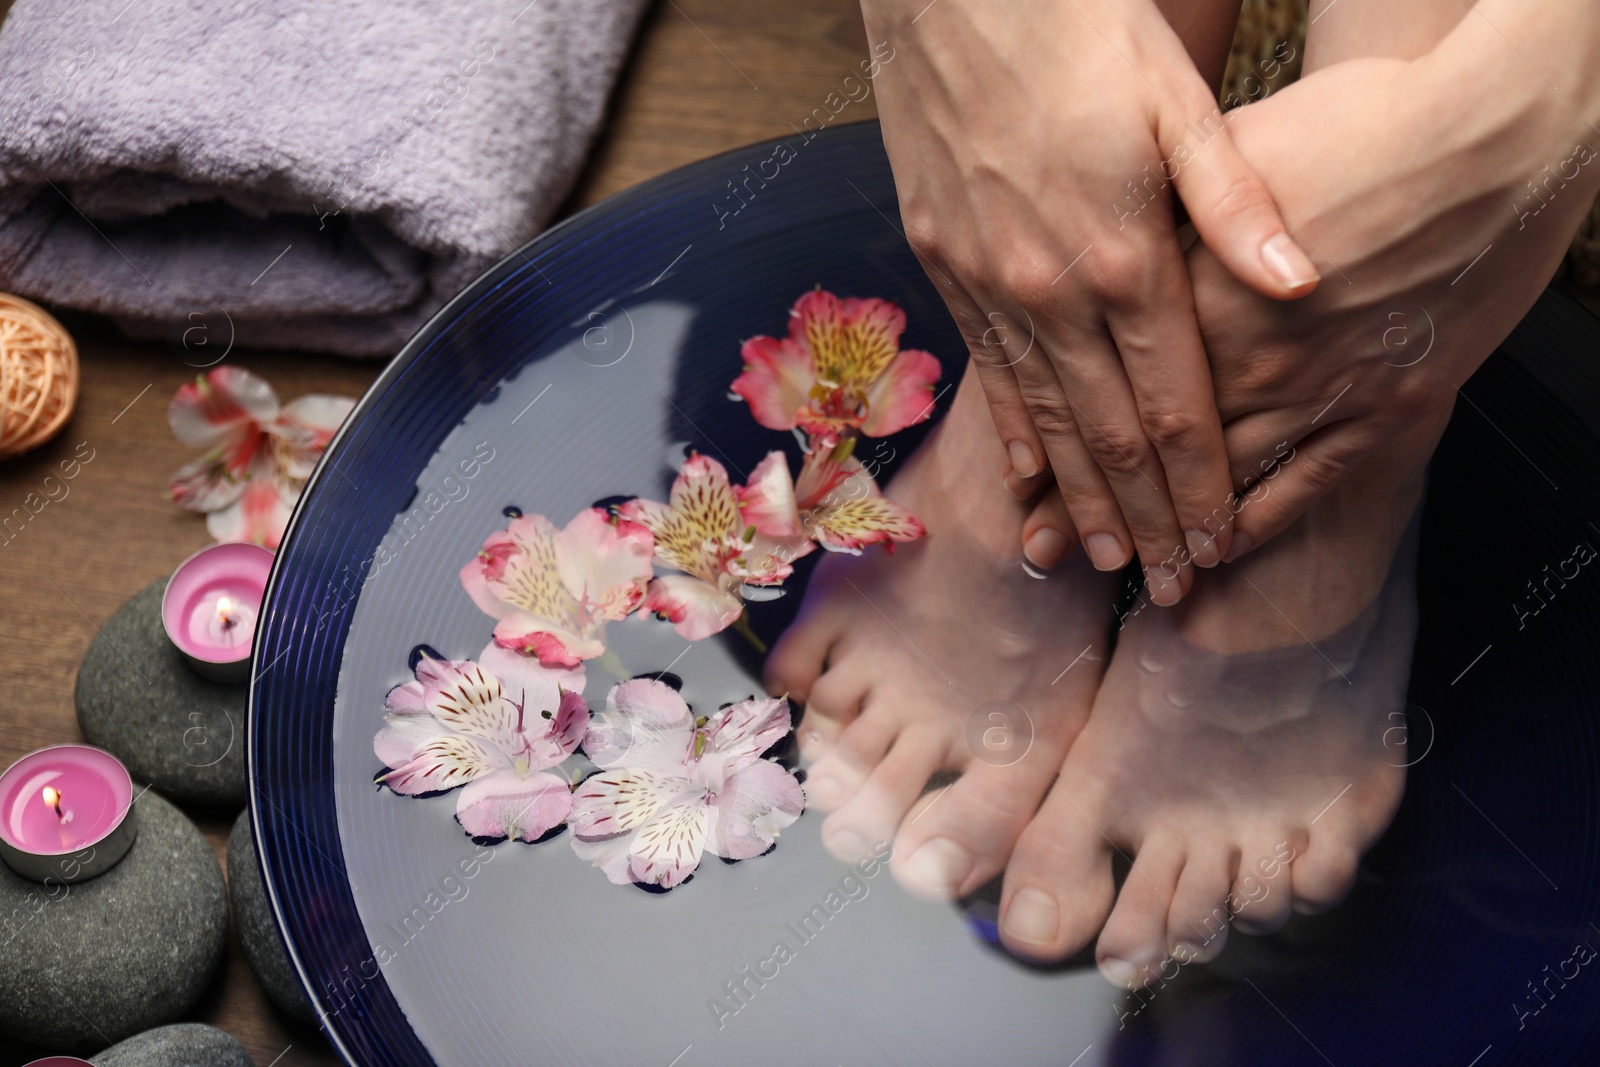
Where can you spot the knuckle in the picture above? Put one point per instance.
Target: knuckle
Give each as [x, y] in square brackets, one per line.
[1118, 451]
[1051, 413]
[1117, 275]
[1171, 429]
[1237, 201]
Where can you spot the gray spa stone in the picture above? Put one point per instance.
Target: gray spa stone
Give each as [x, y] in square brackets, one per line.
[252, 916]
[94, 962]
[137, 698]
[179, 1045]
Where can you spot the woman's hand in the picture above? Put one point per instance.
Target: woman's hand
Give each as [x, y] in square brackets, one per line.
[1437, 225]
[1036, 149]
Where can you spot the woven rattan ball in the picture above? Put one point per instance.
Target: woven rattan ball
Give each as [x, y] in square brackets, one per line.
[38, 376]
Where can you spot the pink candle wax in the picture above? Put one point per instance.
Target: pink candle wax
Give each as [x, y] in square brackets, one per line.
[66, 813]
[58, 1061]
[211, 605]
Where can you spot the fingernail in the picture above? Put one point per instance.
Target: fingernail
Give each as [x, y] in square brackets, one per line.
[1290, 265]
[1164, 591]
[1119, 973]
[1033, 916]
[1045, 547]
[1023, 462]
[847, 846]
[1185, 953]
[1202, 549]
[1105, 552]
[937, 869]
[1242, 543]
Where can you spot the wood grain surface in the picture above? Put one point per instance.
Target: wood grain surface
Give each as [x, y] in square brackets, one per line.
[704, 76]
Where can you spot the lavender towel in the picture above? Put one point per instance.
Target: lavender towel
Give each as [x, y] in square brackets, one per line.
[310, 174]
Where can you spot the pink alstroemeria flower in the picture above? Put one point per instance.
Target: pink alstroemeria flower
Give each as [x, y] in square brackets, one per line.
[552, 591]
[722, 556]
[495, 726]
[836, 502]
[841, 368]
[258, 454]
[673, 787]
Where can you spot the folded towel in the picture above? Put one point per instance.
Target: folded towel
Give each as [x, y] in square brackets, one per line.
[321, 174]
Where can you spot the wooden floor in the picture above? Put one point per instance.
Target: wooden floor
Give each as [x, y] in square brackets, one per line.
[705, 76]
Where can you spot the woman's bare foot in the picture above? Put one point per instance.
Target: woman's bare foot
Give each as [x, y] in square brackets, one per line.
[1242, 748]
[946, 655]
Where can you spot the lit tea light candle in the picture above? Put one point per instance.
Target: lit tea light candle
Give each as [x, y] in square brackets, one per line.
[66, 813]
[210, 608]
[58, 1061]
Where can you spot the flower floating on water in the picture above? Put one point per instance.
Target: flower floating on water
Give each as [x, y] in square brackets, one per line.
[258, 454]
[673, 787]
[840, 369]
[724, 559]
[552, 591]
[496, 727]
[836, 502]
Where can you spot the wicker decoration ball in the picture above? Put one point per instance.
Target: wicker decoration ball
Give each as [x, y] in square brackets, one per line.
[38, 376]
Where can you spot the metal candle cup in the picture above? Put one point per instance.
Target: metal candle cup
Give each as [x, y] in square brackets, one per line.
[210, 607]
[66, 813]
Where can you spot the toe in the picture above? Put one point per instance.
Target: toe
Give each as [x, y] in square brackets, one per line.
[872, 815]
[833, 703]
[845, 765]
[1133, 944]
[961, 836]
[1197, 924]
[1261, 889]
[1058, 886]
[799, 657]
[1323, 876]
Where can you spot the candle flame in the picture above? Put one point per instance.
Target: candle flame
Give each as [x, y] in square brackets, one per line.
[225, 610]
[52, 797]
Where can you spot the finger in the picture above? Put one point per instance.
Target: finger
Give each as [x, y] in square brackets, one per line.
[1301, 476]
[995, 349]
[1092, 508]
[1159, 342]
[1097, 394]
[1048, 533]
[1231, 206]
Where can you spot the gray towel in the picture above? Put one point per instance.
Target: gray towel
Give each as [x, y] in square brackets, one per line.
[310, 174]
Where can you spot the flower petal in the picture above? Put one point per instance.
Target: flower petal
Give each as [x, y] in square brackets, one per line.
[260, 516]
[851, 341]
[768, 501]
[541, 640]
[703, 511]
[440, 762]
[303, 430]
[777, 380]
[667, 849]
[902, 395]
[851, 525]
[739, 733]
[750, 809]
[221, 406]
[610, 854]
[605, 565]
[206, 484]
[646, 726]
[469, 700]
[402, 734]
[615, 802]
[697, 609]
[505, 804]
[519, 673]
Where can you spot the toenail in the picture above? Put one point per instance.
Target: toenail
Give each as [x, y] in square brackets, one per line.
[1023, 462]
[1105, 552]
[847, 846]
[1202, 549]
[1045, 547]
[937, 869]
[1119, 973]
[824, 791]
[1032, 916]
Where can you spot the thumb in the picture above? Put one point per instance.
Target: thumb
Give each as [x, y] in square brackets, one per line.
[1233, 210]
